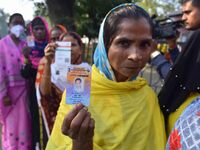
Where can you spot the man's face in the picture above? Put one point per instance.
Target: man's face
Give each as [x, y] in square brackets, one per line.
[191, 16]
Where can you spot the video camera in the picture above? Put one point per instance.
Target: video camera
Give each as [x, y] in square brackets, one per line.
[167, 27]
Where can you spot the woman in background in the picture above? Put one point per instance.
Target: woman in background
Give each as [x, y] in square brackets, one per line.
[50, 85]
[15, 115]
[56, 31]
[39, 31]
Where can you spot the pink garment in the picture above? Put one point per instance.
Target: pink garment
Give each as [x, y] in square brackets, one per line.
[37, 51]
[15, 118]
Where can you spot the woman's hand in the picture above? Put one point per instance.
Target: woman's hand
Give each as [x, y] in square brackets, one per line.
[26, 51]
[79, 126]
[49, 52]
[7, 101]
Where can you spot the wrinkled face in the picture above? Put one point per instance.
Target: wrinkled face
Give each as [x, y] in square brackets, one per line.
[76, 53]
[18, 20]
[130, 49]
[39, 32]
[55, 34]
[191, 16]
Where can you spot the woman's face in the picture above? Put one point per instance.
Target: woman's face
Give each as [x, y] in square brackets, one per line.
[130, 49]
[39, 32]
[55, 34]
[18, 20]
[76, 53]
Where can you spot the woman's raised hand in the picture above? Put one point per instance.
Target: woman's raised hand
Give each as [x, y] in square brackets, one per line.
[49, 52]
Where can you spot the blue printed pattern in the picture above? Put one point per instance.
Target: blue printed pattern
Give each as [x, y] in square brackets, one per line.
[186, 132]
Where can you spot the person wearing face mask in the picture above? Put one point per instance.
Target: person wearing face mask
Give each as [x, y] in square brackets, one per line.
[14, 111]
[50, 85]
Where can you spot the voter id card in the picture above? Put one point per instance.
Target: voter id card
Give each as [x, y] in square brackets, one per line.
[78, 84]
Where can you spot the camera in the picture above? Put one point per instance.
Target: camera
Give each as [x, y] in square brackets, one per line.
[167, 27]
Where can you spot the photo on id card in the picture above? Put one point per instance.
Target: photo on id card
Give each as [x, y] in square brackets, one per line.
[78, 84]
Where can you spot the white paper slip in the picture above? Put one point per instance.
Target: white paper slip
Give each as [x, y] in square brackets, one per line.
[63, 53]
[30, 41]
[62, 56]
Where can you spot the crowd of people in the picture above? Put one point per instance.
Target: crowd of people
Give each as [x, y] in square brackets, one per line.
[124, 112]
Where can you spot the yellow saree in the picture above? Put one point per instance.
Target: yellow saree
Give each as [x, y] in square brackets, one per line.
[126, 114]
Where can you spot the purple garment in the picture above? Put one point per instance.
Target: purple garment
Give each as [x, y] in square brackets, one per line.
[15, 118]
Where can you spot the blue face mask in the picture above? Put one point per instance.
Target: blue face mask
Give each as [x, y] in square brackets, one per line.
[18, 31]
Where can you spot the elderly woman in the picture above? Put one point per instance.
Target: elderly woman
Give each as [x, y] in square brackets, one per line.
[124, 112]
[50, 85]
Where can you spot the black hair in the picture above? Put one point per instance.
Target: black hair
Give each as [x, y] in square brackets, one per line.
[74, 35]
[78, 79]
[37, 21]
[13, 16]
[115, 18]
[195, 3]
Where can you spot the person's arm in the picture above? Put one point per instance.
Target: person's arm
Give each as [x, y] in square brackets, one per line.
[27, 69]
[160, 63]
[45, 85]
[79, 126]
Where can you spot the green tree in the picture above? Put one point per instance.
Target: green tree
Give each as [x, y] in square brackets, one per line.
[57, 12]
[85, 16]
[62, 12]
[41, 9]
[160, 7]
[89, 14]
[3, 23]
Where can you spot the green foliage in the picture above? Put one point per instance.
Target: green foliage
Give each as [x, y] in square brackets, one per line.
[3, 23]
[87, 15]
[41, 9]
[159, 7]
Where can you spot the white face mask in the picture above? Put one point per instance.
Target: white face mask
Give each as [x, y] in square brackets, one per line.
[17, 30]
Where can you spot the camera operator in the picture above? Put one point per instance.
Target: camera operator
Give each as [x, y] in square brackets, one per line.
[163, 61]
[166, 31]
